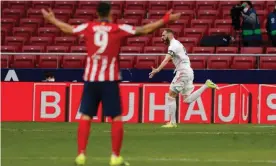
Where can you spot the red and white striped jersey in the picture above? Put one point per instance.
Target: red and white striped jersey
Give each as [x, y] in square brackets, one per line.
[103, 41]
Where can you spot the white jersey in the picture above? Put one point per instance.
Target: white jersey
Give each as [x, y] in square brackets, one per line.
[180, 57]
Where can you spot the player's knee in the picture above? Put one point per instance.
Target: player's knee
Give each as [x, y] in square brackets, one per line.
[187, 100]
[172, 94]
[85, 117]
[117, 118]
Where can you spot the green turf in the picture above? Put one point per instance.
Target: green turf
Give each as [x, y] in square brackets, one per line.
[54, 144]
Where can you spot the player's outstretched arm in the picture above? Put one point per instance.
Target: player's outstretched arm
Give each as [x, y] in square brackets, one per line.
[50, 16]
[161, 66]
[151, 27]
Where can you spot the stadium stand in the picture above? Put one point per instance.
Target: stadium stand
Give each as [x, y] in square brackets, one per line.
[24, 30]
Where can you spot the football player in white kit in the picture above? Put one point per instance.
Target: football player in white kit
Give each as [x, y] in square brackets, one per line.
[183, 80]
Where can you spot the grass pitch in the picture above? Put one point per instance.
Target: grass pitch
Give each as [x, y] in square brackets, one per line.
[54, 144]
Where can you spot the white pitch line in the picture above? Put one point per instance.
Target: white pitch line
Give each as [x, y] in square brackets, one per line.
[153, 132]
[149, 159]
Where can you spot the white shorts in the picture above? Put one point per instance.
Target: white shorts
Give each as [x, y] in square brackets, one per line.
[183, 83]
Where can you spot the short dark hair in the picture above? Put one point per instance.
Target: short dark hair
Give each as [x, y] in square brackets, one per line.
[103, 9]
[169, 30]
[248, 2]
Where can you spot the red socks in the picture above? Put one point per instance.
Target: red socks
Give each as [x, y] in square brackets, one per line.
[83, 135]
[117, 134]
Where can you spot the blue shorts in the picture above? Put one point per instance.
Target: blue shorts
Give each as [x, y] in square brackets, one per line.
[106, 92]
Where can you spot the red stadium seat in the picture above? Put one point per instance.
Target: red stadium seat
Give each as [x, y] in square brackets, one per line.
[157, 41]
[65, 4]
[76, 49]
[31, 22]
[186, 14]
[49, 61]
[138, 41]
[268, 62]
[64, 14]
[24, 61]
[194, 32]
[33, 48]
[263, 25]
[270, 6]
[73, 61]
[117, 5]
[262, 15]
[77, 21]
[8, 49]
[219, 31]
[155, 49]
[134, 14]
[156, 14]
[206, 4]
[183, 5]
[4, 33]
[15, 41]
[201, 23]
[34, 13]
[226, 5]
[270, 50]
[85, 14]
[146, 62]
[246, 62]
[8, 23]
[52, 61]
[223, 23]
[170, 65]
[226, 14]
[127, 61]
[65, 41]
[204, 50]
[251, 50]
[116, 14]
[88, 5]
[41, 41]
[13, 13]
[219, 62]
[131, 49]
[243, 62]
[42, 4]
[5, 61]
[227, 50]
[264, 34]
[59, 49]
[188, 41]
[207, 14]
[258, 5]
[159, 5]
[18, 4]
[136, 5]
[23, 31]
[198, 62]
[179, 24]
[177, 32]
[48, 31]
[81, 41]
[128, 21]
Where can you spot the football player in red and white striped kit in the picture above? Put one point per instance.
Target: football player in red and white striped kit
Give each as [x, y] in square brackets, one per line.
[102, 72]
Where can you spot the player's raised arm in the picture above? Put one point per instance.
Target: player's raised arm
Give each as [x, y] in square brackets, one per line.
[148, 28]
[161, 66]
[50, 16]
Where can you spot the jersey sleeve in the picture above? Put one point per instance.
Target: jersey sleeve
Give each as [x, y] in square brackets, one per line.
[126, 30]
[80, 29]
[172, 50]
